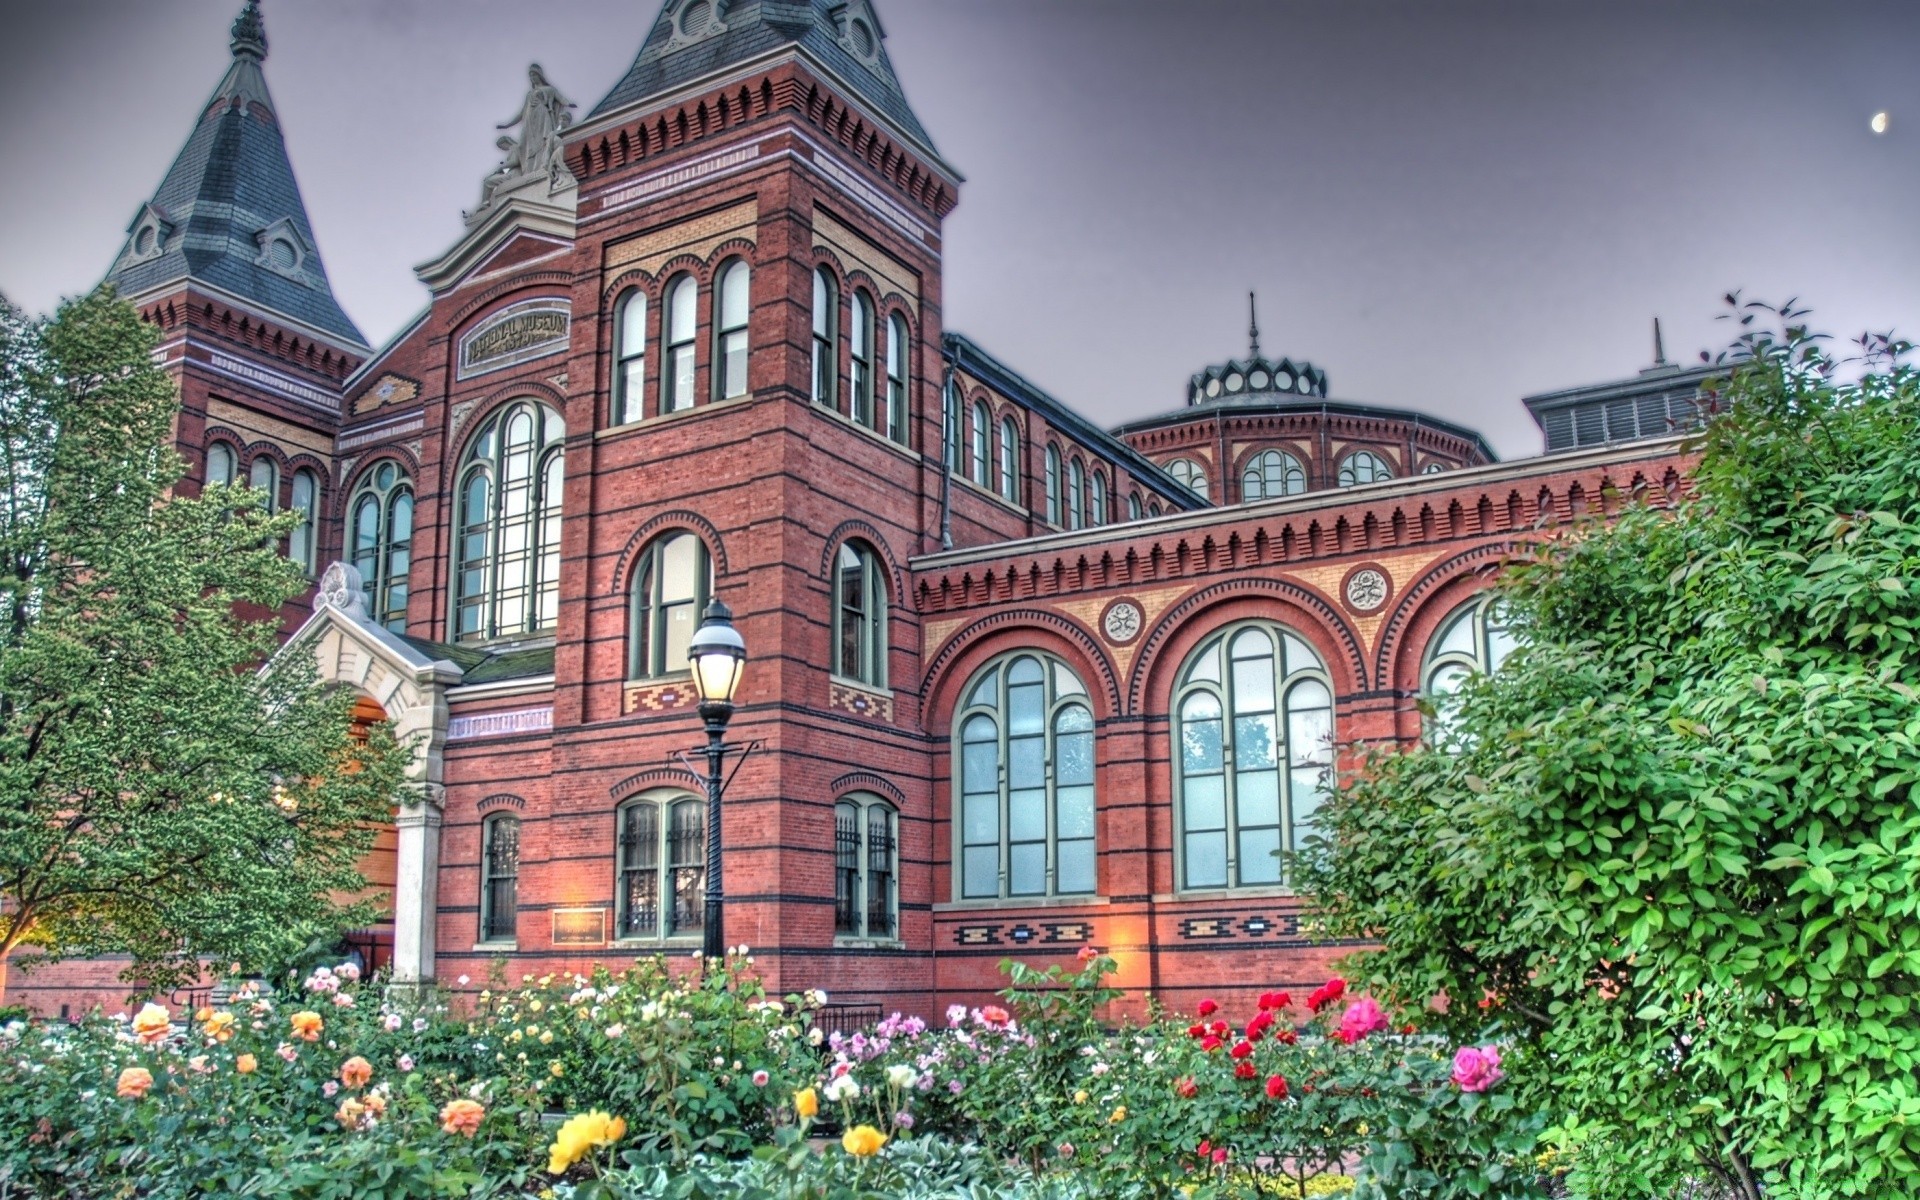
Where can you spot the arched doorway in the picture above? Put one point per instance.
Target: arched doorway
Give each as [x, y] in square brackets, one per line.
[372, 945]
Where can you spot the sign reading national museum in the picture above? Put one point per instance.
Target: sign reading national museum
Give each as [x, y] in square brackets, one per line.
[515, 334]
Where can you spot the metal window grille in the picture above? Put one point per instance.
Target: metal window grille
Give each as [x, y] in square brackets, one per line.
[846, 869]
[639, 871]
[879, 873]
[686, 866]
[503, 870]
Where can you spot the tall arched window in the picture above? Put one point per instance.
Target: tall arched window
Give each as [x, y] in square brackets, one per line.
[826, 314]
[1097, 497]
[677, 334]
[1053, 486]
[1133, 506]
[860, 615]
[1023, 769]
[630, 356]
[661, 891]
[1255, 711]
[982, 440]
[866, 896]
[897, 349]
[499, 877]
[305, 500]
[1009, 460]
[221, 463]
[1473, 640]
[671, 584]
[1272, 474]
[730, 330]
[264, 477]
[1076, 494]
[861, 352]
[380, 532]
[1363, 466]
[507, 543]
[1190, 475]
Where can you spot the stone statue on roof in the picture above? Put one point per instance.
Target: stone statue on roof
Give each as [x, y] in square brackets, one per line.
[535, 154]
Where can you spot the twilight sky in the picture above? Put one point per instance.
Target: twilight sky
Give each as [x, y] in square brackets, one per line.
[1447, 206]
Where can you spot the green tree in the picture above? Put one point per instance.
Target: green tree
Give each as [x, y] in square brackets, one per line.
[161, 795]
[1670, 851]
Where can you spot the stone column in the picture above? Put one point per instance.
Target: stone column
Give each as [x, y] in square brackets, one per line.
[416, 889]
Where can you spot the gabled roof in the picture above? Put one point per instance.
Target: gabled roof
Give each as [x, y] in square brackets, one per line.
[229, 213]
[692, 39]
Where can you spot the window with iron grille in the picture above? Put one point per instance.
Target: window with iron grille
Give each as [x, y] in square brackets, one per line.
[661, 862]
[865, 863]
[500, 873]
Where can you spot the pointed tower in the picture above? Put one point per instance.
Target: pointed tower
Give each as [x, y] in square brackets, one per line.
[223, 259]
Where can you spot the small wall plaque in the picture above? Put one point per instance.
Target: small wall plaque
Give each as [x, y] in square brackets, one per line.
[579, 926]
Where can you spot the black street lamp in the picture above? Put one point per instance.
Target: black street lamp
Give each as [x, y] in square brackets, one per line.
[718, 656]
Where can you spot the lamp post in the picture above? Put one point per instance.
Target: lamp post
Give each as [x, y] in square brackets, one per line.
[718, 656]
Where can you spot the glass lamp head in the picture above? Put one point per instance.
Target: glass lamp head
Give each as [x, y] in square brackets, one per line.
[719, 656]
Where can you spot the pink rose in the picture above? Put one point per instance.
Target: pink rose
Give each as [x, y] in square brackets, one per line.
[328, 1089]
[1477, 1068]
[287, 1052]
[1362, 1017]
[391, 1022]
[404, 1062]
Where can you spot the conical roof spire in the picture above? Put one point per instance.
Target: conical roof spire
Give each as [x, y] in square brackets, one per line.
[229, 214]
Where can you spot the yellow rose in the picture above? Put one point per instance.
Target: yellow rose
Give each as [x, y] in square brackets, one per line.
[220, 1026]
[580, 1136]
[862, 1141]
[1118, 1115]
[806, 1102]
[245, 1064]
[1080, 1097]
[152, 1024]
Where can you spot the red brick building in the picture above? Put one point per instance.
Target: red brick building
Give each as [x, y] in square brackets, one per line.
[1020, 684]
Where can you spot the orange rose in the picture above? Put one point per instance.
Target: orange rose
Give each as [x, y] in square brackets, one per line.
[134, 1082]
[350, 1113]
[246, 1064]
[307, 1026]
[462, 1116]
[376, 1103]
[356, 1072]
[220, 1026]
[152, 1024]
[202, 1014]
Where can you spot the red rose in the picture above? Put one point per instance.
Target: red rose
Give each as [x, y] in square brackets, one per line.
[1220, 1155]
[1242, 1049]
[1274, 1000]
[1196, 1031]
[1259, 1024]
[1185, 1087]
[1276, 1087]
[1208, 1008]
[1336, 988]
[1287, 1036]
[1219, 1028]
[1204, 1148]
[1210, 1043]
[1244, 1070]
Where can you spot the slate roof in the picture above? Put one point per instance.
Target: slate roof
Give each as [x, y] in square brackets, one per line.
[682, 48]
[481, 665]
[231, 184]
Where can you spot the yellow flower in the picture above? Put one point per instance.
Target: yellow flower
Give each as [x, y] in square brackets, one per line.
[307, 1026]
[220, 1026]
[245, 1064]
[151, 1024]
[1080, 1097]
[558, 1068]
[806, 1102]
[862, 1141]
[580, 1136]
[1118, 1115]
[533, 1006]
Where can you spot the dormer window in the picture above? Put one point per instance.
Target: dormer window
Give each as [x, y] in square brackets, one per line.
[697, 19]
[282, 247]
[858, 31]
[147, 235]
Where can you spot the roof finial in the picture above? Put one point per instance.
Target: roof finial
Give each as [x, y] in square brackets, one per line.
[1253, 329]
[1659, 347]
[250, 33]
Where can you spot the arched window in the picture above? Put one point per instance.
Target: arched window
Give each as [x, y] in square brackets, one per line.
[866, 856]
[1009, 460]
[1097, 498]
[671, 584]
[1255, 712]
[1433, 468]
[982, 437]
[681, 314]
[1473, 640]
[264, 477]
[661, 891]
[380, 532]
[897, 348]
[1190, 475]
[1272, 474]
[305, 498]
[499, 877]
[1363, 466]
[861, 352]
[507, 539]
[826, 314]
[630, 356]
[1154, 509]
[1133, 506]
[730, 330]
[1023, 763]
[860, 615]
[1053, 486]
[220, 463]
[1076, 494]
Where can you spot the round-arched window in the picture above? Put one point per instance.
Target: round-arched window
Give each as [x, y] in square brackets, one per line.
[1473, 640]
[1272, 474]
[380, 538]
[1363, 466]
[1254, 712]
[507, 525]
[1190, 475]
